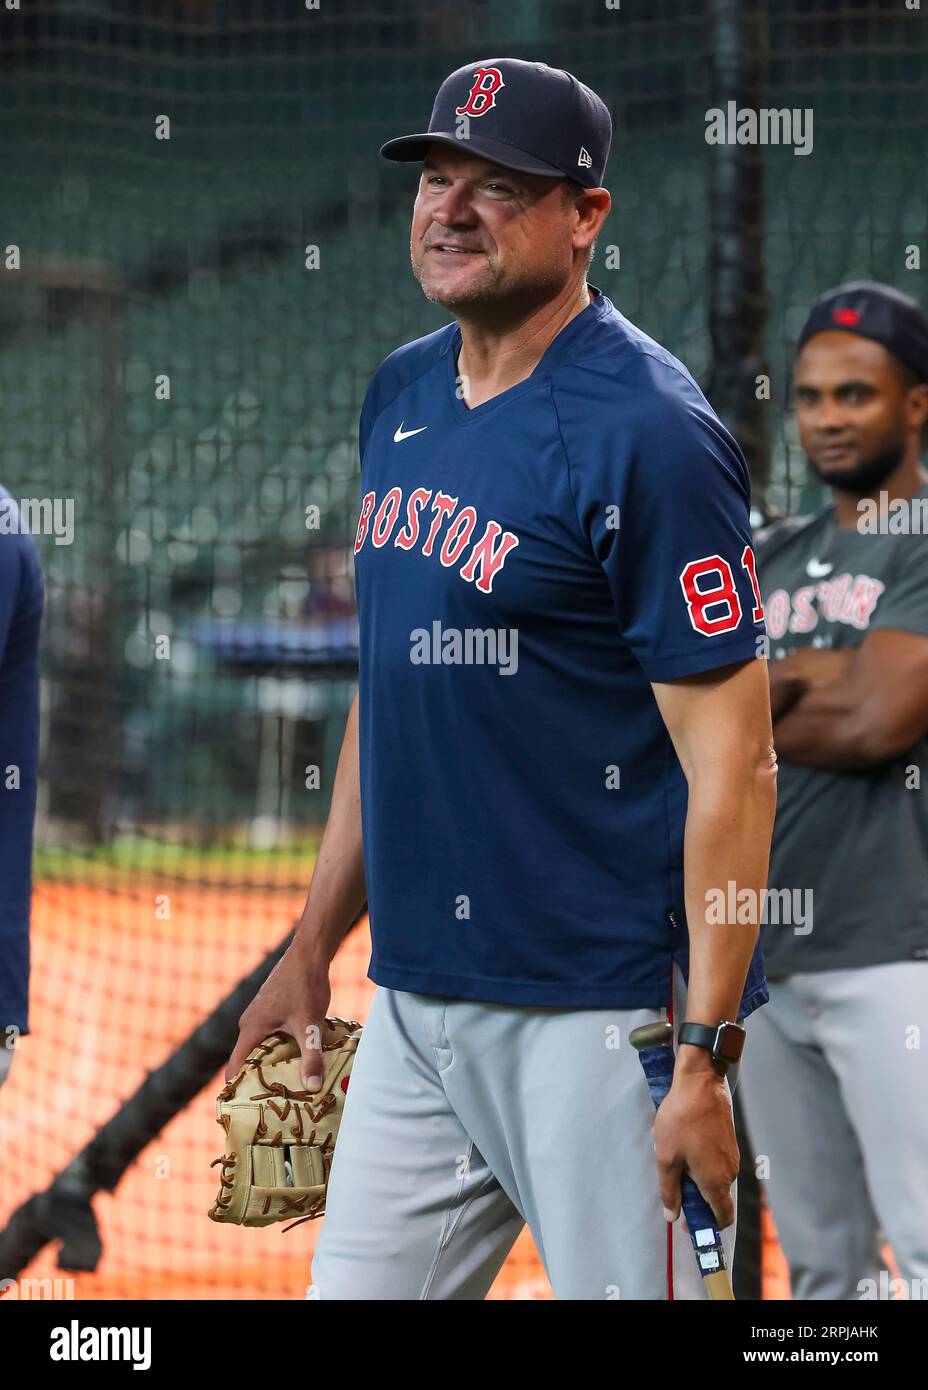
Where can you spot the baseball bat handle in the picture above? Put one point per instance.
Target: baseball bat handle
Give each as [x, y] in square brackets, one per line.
[657, 1060]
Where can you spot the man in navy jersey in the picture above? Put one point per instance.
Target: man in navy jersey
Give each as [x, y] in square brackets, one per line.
[22, 597]
[560, 750]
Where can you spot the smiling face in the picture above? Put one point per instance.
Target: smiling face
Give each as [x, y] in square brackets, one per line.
[856, 407]
[483, 234]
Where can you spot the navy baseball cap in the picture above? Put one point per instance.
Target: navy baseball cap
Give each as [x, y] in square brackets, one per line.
[521, 115]
[874, 311]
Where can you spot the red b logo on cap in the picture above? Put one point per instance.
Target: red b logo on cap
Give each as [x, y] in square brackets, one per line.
[482, 95]
[848, 318]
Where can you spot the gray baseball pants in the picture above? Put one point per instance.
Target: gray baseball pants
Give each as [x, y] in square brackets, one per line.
[463, 1121]
[834, 1085]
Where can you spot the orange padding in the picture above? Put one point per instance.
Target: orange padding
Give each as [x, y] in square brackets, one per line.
[116, 986]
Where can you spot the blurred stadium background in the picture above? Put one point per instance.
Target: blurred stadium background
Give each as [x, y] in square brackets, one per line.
[179, 813]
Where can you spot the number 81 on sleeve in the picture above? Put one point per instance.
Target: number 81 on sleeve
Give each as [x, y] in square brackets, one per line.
[699, 599]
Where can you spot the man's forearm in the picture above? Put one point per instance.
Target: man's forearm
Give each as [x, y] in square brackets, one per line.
[337, 892]
[828, 728]
[822, 717]
[726, 857]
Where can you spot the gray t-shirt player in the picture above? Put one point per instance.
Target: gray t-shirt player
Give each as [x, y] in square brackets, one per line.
[858, 840]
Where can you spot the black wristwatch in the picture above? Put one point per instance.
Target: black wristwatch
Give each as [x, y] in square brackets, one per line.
[724, 1042]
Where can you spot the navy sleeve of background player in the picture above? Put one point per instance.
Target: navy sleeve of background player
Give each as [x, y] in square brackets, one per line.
[663, 495]
[11, 572]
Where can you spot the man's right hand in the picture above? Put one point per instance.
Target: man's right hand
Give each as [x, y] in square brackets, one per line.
[294, 999]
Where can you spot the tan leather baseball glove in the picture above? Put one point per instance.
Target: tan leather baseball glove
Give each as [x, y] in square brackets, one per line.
[279, 1136]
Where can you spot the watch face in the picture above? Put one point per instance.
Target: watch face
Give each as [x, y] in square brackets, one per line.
[730, 1043]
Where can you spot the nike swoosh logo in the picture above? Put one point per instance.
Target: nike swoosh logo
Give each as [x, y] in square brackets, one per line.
[402, 434]
[816, 570]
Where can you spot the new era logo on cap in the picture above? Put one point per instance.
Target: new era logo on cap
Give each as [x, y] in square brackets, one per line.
[520, 115]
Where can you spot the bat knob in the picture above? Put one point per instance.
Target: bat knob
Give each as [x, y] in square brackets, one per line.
[651, 1035]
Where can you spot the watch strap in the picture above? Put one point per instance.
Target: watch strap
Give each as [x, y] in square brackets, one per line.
[702, 1035]
[699, 1034]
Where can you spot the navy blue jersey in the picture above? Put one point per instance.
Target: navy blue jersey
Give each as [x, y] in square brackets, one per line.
[21, 602]
[525, 569]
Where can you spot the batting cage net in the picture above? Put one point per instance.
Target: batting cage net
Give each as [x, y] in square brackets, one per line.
[204, 261]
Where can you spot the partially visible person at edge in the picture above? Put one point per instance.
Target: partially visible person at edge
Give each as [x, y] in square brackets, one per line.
[22, 597]
[835, 1080]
